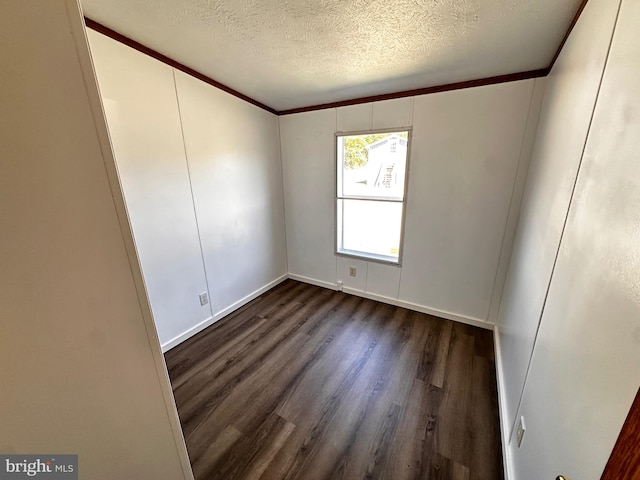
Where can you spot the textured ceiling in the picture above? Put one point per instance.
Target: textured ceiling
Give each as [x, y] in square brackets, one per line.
[294, 53]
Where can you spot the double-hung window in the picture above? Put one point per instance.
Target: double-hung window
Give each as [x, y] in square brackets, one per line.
[371, 180]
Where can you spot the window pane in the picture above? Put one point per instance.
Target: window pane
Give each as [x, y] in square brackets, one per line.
[372, 165]
[370, 227]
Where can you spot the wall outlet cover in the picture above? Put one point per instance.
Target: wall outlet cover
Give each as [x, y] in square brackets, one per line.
[204, 298]
[353, 271]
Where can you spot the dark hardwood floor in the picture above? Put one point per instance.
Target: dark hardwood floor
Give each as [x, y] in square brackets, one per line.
[307, 383]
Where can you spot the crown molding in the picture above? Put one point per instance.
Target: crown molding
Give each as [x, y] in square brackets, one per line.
[512, 77]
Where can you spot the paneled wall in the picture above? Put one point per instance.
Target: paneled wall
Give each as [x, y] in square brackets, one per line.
[577, 282]
[82, 371]
[469, 154]
[140, 102]
[203, 185]
[203, 181]
[568, 103]
[233, 151]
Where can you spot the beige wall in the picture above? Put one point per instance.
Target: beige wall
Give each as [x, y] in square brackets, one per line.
[82, 372]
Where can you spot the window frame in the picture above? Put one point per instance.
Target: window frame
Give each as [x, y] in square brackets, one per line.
[371, 257]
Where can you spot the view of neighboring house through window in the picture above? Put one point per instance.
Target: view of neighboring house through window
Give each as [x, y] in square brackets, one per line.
[371, 179]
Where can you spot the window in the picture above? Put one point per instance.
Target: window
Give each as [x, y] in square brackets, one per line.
[370, 193]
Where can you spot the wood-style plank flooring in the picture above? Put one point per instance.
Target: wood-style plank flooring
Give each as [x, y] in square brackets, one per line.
[311, 384]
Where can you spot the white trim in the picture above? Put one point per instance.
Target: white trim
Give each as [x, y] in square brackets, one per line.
[222, 313]
[370, 257]
[476, 322]
[337, 224]
[313, 281]
[504, 422]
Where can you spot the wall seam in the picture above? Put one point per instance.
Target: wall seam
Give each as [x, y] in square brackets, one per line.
[371, 118]
[284, 202]
[509, 213]
[566, 219]
[517, 220]
[193, 197]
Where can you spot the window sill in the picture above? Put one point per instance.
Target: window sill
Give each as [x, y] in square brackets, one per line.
[370, 257]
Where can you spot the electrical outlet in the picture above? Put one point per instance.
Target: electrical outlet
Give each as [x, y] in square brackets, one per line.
[352, 271]
[520, 431]
[339, 285]
[204, 298]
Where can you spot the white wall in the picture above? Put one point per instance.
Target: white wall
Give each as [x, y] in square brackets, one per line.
[234, 157]
[307, 149]
[584, 370]
[465, 159]
[82, 368]
[203, 183]
[138, 94]
[86, 368]
[564, 120]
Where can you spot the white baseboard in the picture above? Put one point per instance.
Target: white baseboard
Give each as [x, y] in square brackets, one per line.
[313, 281]
[504, 422]
[476, 322]
[188, 334]
[222, 313]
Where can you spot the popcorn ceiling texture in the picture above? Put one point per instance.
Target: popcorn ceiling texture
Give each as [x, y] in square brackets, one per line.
[295, 53]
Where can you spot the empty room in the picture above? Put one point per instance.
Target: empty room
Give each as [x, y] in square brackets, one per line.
[320, 240]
